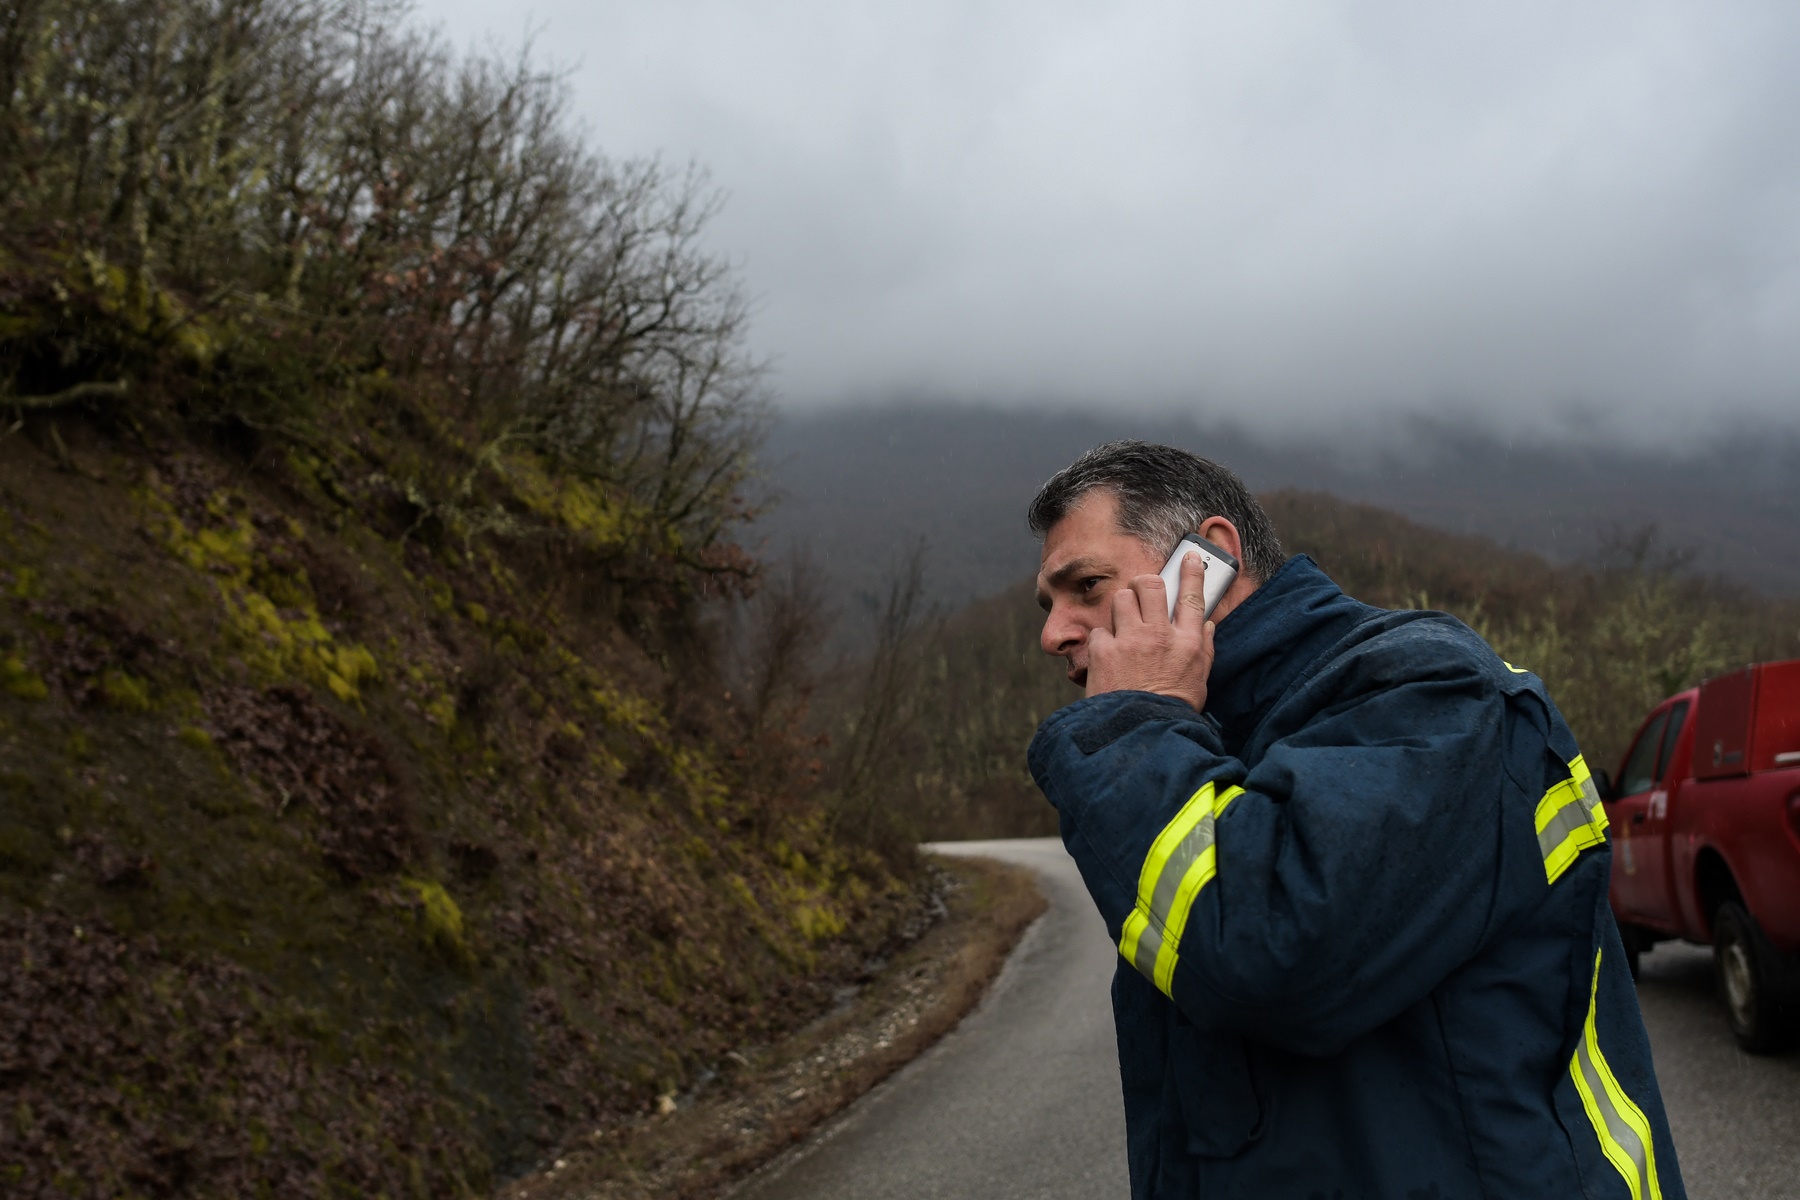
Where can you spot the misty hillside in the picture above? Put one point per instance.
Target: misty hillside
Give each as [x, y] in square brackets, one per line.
[1608, 643]
[855, 486]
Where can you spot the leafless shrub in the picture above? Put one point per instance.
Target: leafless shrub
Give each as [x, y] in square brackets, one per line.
[261, 208]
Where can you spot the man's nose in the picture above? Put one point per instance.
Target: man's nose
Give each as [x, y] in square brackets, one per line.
[1060, 632]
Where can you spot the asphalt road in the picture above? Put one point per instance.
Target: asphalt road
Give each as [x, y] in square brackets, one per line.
[1735, 1116]
[1019, 1102]
[1022, 1100]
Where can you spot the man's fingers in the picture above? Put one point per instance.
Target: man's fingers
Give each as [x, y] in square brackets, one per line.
[1153, 598]
[1128, 609]
[1190, 603]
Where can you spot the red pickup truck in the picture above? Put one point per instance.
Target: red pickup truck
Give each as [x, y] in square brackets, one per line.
[1705, 815]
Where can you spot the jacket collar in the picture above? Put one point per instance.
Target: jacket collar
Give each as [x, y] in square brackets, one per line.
[1264, 644]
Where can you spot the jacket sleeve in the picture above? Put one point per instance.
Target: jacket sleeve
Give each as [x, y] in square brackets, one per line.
[1314, 898]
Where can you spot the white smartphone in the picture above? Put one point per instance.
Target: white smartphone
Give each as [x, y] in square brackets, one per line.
[1221, 569]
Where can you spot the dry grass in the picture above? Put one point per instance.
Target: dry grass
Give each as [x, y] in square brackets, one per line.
[769, 1098]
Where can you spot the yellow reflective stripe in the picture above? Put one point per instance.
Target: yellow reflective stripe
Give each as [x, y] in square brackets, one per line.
[1180, 862]
[1570, 818]
[1623, 1130]
[1174, 842]
[1513, 669]
[1140, 943]
[1198, 874]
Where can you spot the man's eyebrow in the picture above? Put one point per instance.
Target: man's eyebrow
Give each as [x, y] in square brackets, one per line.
[1078, 567]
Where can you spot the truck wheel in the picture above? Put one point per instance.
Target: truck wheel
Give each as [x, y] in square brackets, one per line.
[1635, 943]
[1746, 969]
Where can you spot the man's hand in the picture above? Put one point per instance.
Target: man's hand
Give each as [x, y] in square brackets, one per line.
[1145, 651]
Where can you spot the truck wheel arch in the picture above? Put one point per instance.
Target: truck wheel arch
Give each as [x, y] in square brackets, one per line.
[1713, 885]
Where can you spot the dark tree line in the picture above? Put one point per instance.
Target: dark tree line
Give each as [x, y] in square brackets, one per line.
[927, 734]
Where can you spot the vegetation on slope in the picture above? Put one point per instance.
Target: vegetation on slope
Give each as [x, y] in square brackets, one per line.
[374, 811]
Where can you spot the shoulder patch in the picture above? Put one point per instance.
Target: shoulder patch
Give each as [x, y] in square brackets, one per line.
[1123, 720]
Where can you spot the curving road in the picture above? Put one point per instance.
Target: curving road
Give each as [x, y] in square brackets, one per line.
[1022, 1100]
[1019, 1102]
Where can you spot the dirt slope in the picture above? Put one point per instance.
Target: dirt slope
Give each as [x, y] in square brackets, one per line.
[338, 860]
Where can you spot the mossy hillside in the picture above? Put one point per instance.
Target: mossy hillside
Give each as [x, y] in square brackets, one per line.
[466, 853]
[370, 814]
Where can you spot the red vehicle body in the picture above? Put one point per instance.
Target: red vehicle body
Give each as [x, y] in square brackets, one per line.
[1705, 814]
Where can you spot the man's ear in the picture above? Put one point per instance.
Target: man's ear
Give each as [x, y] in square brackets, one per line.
[1224, 535]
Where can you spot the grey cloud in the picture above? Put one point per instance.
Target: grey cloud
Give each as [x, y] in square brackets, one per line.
[1287, 211]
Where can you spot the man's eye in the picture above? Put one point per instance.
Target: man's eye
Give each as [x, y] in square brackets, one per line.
[1091, 582]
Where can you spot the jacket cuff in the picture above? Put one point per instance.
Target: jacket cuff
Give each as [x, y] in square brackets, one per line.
[1095, 722]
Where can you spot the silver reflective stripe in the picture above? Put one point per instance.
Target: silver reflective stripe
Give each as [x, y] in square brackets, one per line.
[1178, 865]
[1624, 1132]
[1149, 945]
[1186, 852]
[1623, 1136]
[1569, 819]
[1590, 795]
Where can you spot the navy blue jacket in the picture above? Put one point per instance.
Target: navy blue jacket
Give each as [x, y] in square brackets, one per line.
[1361, 910]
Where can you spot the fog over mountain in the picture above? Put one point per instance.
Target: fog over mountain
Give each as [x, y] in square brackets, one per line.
[1571, 221]
[1526, 270]
[858, 486]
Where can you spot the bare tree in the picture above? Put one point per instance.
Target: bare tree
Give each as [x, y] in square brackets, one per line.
[277, 200]
[879, 736]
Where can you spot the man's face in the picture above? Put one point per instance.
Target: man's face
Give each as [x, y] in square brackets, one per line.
[1087, 557]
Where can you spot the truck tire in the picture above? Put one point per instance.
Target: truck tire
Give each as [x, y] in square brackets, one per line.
[1748, 979]
[1635, 945]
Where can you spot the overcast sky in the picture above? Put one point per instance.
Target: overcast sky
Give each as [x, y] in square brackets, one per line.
[1561, 216]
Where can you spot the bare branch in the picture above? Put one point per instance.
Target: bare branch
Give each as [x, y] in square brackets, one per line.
[116, 389]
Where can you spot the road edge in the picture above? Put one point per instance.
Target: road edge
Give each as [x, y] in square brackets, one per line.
[773, 1098]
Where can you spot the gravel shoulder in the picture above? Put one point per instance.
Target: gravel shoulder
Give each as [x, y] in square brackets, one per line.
[762, 1100]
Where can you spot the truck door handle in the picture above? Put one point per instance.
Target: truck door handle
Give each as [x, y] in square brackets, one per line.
[1637, 818]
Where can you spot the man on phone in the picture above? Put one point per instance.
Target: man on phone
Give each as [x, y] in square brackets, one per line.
[1354, 863]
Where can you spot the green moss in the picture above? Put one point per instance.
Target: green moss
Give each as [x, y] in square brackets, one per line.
[441, 711]
[20, 680]
[629, 712]
[289, 590]
[273, 615]
[193, 735]
[348, 668]
[579, 506]
[26, 583]
[442, 598]
[441, 917]
[705, 787]
[125, 691]
[740, 890]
